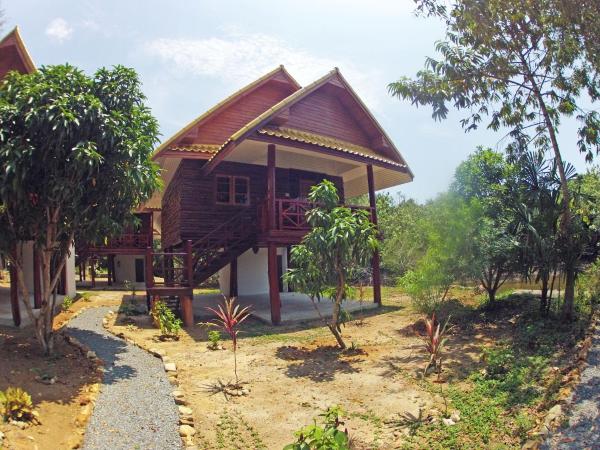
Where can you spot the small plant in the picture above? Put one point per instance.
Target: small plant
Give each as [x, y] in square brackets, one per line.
[214, 338]
[67, 303]
[328, 436]
[129, 286]
[435, 340]
[229, 317]
[16, 405]
[164, 318]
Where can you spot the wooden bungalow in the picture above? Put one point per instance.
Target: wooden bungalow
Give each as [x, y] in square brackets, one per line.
[237, 177]
[15, 57]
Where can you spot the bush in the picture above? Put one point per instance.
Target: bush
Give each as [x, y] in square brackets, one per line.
[214, 337]
[588, 285]
[67, 303]
[165, 319]
[16, 404]
[424, 289]
[327, 436]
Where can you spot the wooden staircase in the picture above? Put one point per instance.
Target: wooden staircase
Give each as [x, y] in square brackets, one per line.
[222, 245]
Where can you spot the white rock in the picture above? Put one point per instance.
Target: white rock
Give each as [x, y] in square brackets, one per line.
[185, 411]
[91, 355]
[170, 367]
[455, 416]
[186, 430]
[448, 422]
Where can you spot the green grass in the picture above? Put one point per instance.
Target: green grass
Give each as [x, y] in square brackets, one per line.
[498, 401]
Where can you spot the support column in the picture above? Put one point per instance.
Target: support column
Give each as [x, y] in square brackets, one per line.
[63, 281]
[233, 278]
[93, 271]
[37, 282]
[187, 312]
[375, 260]
[109, 270]
[271, 185]
[14, 294]
[274, 285]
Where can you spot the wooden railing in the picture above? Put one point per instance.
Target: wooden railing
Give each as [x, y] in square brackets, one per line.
[170, 269]
[290, 214]
[126, 241]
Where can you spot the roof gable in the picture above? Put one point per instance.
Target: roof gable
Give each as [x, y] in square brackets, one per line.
[328, 106]
[215, 126]
[14, 54]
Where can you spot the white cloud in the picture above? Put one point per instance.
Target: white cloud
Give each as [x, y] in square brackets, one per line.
[239, 58]
[59, 29]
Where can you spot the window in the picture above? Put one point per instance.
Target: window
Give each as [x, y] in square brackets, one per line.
[232, 190]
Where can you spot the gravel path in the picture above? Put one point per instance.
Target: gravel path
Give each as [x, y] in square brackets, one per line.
[583, 431]
[135, 409]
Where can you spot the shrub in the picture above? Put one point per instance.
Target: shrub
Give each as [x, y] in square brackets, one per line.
[426, 291]
[67, 303]
[328, 436]
[435, 340]
[165, 319]
[16, 404]
[499, 361]
[229, 317]
[589, 284]
[214, 338]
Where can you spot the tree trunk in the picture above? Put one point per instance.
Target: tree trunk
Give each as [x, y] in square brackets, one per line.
[334, 326]
[566, 222]
[567, 310]
[544, 296]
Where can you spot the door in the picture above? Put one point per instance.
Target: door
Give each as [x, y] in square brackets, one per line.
[139, 270]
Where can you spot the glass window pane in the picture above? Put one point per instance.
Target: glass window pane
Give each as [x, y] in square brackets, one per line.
[241, 191]
[223, 190]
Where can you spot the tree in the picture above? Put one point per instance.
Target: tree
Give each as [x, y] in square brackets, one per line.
[518, 62]
[74, 162]
[487, 181]
[341, 241]
[402, 244]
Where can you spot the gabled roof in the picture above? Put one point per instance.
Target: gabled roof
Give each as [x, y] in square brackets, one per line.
[13, 38]
[257, 125]
[278, 72]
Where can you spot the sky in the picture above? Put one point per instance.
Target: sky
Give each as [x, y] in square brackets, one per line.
[192, 54]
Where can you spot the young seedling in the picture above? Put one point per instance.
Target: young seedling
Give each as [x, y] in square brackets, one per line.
[435, 339]
[229, 317]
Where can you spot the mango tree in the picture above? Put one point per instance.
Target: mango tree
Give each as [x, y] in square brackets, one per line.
[341, 241]
[74, 162]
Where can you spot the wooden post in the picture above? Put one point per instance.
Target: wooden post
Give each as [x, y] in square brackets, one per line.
[37, 281]
[109, 270]
[375, 260]
[84, 268]
[93, 270]
[233, 277]
[14, 293]
[149, 266]
[189, 263]
[187, 311]
[274, 285]
[271, 185]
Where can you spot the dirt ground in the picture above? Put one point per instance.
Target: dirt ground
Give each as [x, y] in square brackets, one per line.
[294, 373]
[64, 406]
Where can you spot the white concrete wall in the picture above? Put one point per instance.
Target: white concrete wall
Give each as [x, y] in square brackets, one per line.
[27, 255]
[253, 275]
[125, 269]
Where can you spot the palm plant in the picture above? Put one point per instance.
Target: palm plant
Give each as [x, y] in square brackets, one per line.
[229, 317]
[435, 339]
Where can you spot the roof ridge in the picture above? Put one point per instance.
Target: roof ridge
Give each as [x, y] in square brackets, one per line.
[229, 99]
[27, 59]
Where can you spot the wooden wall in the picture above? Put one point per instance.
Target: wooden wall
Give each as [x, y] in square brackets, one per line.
[189, 210]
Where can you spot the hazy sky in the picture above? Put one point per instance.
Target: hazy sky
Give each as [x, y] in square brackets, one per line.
[191, 54]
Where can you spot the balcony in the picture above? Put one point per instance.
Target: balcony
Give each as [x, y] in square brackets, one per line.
[126, 243]
[290, 218]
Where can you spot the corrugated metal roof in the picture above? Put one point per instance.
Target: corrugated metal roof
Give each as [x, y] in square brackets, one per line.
[196, 148]
[325, 141]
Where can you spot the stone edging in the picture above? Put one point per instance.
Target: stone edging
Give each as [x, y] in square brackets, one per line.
[186, 417]
[571, 378]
